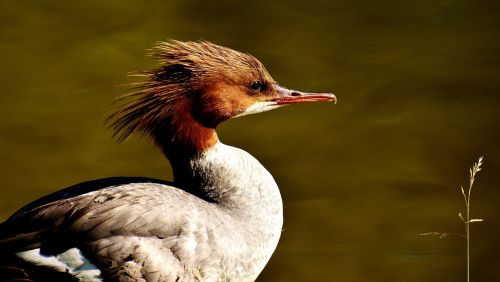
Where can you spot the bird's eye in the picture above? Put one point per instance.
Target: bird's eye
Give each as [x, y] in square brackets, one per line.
[256, 85]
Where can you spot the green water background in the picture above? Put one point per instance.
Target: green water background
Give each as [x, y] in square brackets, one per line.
[418, 84]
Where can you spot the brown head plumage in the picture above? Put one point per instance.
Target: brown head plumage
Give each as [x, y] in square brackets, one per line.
[197, 86]
[188, 72]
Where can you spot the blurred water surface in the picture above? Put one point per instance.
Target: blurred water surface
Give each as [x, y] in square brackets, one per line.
[418, 84]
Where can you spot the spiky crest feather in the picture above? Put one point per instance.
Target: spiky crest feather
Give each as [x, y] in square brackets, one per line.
[186, 67]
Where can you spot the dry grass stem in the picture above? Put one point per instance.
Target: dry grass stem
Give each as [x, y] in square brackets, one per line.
[476, 167]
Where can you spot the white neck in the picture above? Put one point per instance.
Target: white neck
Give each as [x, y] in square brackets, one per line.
[235, 181]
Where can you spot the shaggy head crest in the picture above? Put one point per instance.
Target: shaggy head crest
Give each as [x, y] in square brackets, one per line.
[187, 69]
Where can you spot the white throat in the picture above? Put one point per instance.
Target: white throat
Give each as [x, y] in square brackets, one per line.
[259, 107]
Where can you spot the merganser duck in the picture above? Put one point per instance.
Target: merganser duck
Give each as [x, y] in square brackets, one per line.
[219, 220]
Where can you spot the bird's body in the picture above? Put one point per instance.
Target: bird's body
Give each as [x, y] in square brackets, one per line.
[221, 218]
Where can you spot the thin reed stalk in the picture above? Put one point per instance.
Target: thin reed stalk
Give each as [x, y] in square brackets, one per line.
[476, 167]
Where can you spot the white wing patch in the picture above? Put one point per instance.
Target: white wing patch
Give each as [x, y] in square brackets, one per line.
[71, 261]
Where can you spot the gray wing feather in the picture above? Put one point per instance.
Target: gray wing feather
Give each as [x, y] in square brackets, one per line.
[128, 228]
[140, 209]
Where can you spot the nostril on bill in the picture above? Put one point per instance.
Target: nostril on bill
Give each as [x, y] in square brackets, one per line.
[295, 94]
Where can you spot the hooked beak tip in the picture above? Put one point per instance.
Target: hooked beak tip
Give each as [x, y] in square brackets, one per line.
[334, 99]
